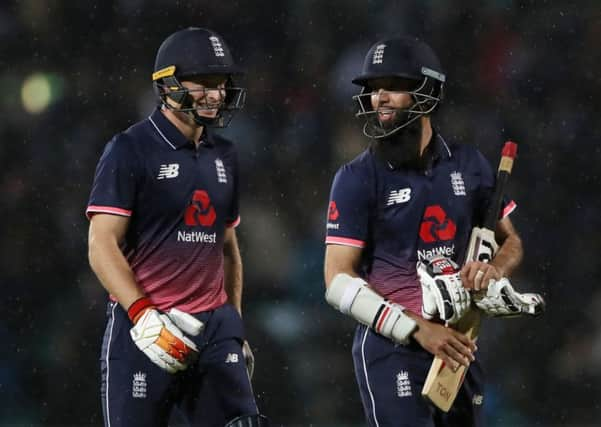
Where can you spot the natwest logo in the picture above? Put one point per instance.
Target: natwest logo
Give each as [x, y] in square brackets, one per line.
[200, 211]
[333, 213]
[446, 251]
[436, 225]
[196, 237]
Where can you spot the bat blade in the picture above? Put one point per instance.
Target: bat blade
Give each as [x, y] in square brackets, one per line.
[443, 383]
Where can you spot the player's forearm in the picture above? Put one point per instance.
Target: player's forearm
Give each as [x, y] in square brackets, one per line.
[509, 256]
[113, 271]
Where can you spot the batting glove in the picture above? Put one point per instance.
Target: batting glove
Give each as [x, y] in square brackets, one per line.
[501, 300]
[443, 293]
[161, 335]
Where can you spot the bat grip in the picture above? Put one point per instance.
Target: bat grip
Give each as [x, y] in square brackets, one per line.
[492, 215]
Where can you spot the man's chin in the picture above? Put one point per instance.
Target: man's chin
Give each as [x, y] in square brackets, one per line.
[389, 125]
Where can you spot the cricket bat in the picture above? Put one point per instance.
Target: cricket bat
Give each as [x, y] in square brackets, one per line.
[443, 383]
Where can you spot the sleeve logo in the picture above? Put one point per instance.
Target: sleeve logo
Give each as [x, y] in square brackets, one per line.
[333, 213]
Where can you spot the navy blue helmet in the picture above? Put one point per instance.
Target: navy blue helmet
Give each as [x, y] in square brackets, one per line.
[196, 52]
[405, 58]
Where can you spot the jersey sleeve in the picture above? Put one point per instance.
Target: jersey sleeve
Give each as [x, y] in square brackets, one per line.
[486, 190]
[115, 180]
[348, 210]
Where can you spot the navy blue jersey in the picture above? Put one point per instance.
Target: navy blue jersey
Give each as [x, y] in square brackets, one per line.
[179, 199]
[400, 216]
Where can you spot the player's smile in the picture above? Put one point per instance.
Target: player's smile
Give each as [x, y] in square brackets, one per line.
[207, 110]
[386, 114]
[208, 101]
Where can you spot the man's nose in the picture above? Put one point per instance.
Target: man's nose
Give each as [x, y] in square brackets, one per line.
[214, 95]
[382, 96]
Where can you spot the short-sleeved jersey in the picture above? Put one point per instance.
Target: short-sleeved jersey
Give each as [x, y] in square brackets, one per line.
[401, 216]
[180, 199]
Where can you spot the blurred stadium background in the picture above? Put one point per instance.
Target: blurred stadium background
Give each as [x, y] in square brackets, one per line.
[75, 72]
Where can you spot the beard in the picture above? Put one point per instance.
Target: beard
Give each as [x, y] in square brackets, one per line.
[401, 150]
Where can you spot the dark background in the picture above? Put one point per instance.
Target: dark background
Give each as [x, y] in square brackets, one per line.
[525, 70]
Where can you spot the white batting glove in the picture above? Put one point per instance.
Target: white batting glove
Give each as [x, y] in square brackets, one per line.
[249, 359]
[159, 335]
[443, 294]
[501, 300]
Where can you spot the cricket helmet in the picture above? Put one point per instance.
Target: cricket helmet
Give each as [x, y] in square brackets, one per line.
[196, 52]
[404, 58]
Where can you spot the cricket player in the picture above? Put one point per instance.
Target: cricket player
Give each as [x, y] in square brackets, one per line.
[410, 196]
[162, 241]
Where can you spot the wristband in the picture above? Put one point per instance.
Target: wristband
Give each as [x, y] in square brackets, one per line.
[138, 307]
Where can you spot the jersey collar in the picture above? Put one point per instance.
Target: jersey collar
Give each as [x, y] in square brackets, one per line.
[437, 149]
[168, 133]
[440, 149]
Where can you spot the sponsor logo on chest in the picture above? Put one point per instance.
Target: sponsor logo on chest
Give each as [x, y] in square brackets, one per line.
[196, 237]
[200, 213]
[446, 251]
[168, 171]
[397, 197]
[171, 170]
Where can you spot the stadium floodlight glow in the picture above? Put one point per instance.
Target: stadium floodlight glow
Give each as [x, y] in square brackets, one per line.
[36, 93]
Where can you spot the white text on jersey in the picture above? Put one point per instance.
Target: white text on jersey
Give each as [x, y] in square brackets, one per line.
[196, 236]
[168, 171]
[231, 358]
[401, 196]
[221, 175]
[423, 254]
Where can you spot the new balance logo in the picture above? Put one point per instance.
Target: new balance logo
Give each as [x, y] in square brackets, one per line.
[221, 175]
[379, 54]
[401, 196]
[231, 358]
[168, 171]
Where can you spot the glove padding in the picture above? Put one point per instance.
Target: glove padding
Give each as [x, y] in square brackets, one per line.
[442, 290]
[249, 359]
[159, 335]
[501, 300]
